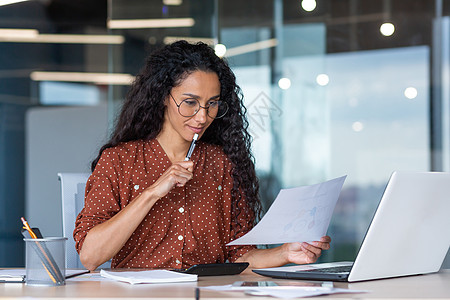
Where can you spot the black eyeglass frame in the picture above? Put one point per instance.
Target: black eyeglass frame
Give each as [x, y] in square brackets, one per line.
[204, 107]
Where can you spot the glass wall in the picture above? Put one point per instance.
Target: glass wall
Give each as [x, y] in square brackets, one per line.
[329, 95]
[53, 92]
[332, 88]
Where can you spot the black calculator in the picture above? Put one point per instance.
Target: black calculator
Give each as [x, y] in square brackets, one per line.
[215, 269]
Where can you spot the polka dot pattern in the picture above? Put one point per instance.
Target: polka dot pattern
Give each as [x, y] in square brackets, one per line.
[190, 225]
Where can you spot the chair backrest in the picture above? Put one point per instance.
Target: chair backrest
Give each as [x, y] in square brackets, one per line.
[72, 196]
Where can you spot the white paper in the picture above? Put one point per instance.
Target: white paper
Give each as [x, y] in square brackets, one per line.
[297, 215]
[298, 292]
[151, 276]
[282, 291]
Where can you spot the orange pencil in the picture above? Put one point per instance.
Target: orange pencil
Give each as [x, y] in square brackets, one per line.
[28, 228]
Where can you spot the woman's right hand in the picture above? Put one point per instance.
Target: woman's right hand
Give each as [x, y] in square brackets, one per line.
[177, 175]
[106, 239]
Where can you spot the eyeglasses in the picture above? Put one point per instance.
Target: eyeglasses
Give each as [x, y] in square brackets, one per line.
[190, 107]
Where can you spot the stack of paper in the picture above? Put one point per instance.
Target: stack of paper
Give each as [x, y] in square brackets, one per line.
[151, 276]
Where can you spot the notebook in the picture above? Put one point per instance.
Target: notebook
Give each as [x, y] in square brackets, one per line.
[409, 234]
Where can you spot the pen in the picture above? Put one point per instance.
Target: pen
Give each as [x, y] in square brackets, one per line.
[77, 274]
[191, 147]
[197, 293]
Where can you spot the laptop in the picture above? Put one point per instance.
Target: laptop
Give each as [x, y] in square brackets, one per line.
[409, 234]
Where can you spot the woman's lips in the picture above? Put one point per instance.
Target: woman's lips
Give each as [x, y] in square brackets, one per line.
[196, 129]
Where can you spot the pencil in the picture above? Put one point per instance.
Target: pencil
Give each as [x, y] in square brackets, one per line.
[28, 228]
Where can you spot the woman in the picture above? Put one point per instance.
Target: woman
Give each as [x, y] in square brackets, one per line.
[146, 207]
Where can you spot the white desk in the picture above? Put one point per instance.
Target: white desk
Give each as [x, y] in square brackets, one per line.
[412, 287]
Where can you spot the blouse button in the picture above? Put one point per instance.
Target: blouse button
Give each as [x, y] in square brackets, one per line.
[136, 187]
[219, 187]
[180, 237]
[181, 210]
[178, 261]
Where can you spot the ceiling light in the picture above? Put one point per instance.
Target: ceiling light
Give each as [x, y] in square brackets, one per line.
[172, 2]
[309, 5]
[6, 2]
[97, 78]
[80, 39]
[410, 93]
[19, 33]
[150, 23]
[322, 79]
[251, 47]
[357, 126]
[33, 36]
[220, 50]
[387, 29]
[284, 83]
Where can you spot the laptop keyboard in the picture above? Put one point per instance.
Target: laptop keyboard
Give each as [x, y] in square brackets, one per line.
[339, 269]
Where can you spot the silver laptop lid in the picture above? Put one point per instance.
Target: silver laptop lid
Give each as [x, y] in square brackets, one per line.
[410, 232]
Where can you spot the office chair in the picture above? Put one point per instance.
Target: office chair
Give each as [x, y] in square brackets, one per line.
[72, 196]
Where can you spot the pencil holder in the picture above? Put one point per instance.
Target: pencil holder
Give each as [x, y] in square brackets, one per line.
[45, 261]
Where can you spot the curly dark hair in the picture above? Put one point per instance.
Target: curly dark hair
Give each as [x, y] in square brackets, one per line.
[142, 113]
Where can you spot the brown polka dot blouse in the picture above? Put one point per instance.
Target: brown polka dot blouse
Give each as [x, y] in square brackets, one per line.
[190, 225]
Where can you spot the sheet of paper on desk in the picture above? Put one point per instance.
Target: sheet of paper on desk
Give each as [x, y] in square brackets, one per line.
[150, 276]
[283, 291]
[299, 214]
[298, 293]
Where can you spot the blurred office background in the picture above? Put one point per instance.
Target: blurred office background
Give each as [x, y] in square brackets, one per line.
[332, 88]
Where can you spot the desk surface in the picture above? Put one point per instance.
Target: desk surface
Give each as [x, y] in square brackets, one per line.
[417, 287]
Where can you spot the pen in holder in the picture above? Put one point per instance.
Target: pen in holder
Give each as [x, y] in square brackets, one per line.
[45, 258]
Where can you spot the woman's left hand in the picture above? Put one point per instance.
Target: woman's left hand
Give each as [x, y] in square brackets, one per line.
[306, 253]
[297, 253]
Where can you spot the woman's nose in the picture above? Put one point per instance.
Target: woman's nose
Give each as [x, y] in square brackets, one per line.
[201, 115]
